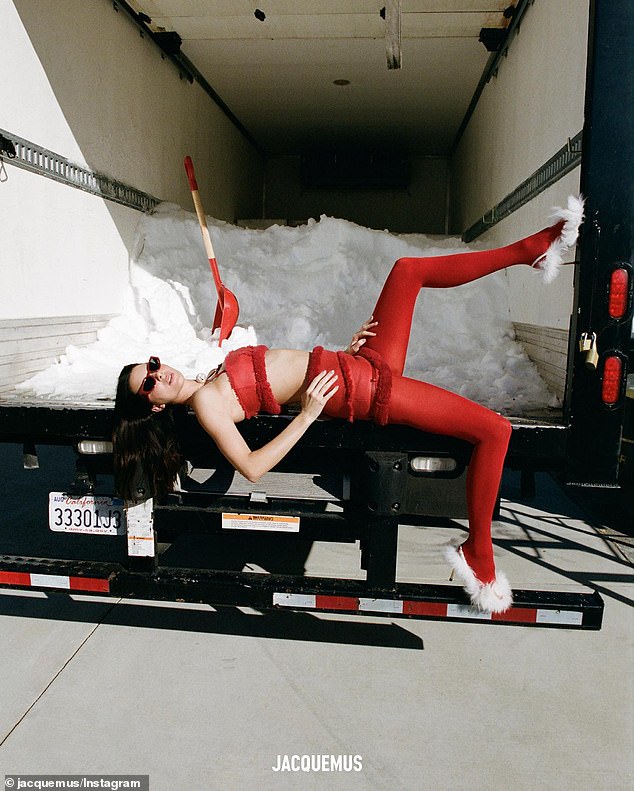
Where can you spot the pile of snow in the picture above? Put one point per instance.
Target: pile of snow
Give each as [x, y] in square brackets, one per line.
[297, 287]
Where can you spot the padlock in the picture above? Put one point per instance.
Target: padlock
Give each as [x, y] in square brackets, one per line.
[585, 342]
[592, 354]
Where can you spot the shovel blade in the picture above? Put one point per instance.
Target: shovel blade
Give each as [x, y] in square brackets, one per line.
[226, 315]
[229, 317]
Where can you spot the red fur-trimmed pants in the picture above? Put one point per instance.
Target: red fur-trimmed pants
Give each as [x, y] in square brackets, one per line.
[430, 408]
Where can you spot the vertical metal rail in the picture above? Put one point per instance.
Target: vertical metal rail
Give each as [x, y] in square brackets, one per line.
[607, 234]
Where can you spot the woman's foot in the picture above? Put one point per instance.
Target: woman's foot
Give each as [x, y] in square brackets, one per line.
[493, 596]
[559, 238]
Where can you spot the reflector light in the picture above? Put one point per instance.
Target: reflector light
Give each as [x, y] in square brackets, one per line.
[618, 293]
[91, 447]
[433, 464]
[612, 380]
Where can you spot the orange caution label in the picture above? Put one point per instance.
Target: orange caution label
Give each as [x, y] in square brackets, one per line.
[284, 524]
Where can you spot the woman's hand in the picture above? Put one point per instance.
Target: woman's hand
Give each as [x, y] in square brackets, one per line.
[361, 335]
[318, 393]
[215, 418]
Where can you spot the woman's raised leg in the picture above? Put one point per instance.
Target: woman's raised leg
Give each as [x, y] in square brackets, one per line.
[395, 305]
[430, 408]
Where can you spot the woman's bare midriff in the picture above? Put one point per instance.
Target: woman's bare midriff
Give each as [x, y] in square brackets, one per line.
[286, 372]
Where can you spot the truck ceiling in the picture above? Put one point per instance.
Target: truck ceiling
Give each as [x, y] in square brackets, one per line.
[384, 73]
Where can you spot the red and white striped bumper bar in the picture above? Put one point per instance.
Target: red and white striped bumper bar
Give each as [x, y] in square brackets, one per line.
[24, 579]
[426, 609]
[583, 610]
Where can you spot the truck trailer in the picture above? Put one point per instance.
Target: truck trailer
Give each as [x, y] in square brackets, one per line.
[511, 108]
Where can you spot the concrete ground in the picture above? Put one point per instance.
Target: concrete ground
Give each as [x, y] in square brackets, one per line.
[207, 700]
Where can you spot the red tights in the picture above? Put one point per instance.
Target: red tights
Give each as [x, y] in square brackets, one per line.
[430, 408]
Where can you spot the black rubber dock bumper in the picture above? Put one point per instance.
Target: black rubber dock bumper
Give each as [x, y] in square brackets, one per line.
[583, 610]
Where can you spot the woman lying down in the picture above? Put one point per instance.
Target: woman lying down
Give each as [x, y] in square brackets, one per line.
[364, 382]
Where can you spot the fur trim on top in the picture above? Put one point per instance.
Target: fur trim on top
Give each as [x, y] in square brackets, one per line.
[268, 402]
[550, 262]
[494, 596]
[246, 371]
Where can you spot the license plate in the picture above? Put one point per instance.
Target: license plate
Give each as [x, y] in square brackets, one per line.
[91, 513]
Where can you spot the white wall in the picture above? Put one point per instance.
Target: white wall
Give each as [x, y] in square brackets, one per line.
[63, 252]
[524, 116]
[86, 85]
[421, 208]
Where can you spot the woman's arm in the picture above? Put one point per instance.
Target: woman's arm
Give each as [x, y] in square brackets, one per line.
[253, 464]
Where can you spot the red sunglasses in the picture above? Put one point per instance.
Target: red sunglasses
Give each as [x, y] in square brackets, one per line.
[149, 382]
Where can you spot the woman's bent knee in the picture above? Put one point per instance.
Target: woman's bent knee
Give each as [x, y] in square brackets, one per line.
[494, 428]
[503, 428]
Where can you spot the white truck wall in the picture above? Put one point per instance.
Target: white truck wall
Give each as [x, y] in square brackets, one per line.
[524, 116]
[82, 82]
[421, 208]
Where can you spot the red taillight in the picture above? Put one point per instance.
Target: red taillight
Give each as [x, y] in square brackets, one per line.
[612, 380]
[618, 293]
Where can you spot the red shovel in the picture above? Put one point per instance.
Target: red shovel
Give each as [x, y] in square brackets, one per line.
[227, 308]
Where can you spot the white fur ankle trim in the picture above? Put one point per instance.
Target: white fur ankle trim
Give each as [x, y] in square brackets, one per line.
[494, 596]
[550, 262]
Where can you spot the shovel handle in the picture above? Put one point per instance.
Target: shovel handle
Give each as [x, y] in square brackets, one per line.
[191, 176]
[202, 220]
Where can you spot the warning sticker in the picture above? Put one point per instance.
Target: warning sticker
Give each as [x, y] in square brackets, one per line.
[284, 524]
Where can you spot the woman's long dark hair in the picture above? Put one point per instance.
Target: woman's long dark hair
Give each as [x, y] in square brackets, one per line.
[145, 444]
